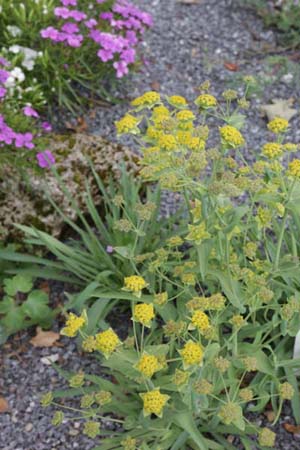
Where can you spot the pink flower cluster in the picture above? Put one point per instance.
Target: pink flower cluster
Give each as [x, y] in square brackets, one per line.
[10, 137]
[126, 24]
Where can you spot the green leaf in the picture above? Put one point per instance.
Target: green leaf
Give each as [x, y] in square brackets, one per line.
[295, 402]
[6, 304]
[186, 421]
[19, 283]
[14, 320]
[36, 306]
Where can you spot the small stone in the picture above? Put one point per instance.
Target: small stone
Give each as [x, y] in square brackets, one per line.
[48, 360]
[29, 427]
[287, 78]
[73, 432]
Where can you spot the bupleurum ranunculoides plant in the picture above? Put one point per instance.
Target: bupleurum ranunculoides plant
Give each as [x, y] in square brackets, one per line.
[216, 306]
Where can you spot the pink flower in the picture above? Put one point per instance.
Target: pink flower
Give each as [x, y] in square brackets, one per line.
[105, 55]
[4, 62]
[91, 23]
[47, 126]
[128, 55]
[45, 159]
[121, 68]
[24, 140]
[2, 92]
[74, 40]
[62, 12]
[77, 15]
[109, 249]
[30, 112]
[70, 27]
[69, 2]
[50, 33]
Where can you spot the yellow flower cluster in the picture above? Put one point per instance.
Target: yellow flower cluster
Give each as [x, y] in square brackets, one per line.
[167, 142]
[206, 101]
[73, 324]
[127, 124]
[185, 115]
[267, 438]
[232, 136]
[147, 99]
[148, 365]
[272, 150]
[154, 402]
[200, 320]
[192, 353]
[161, 298]
[143, 313]
[278, 125]
[294, 168]
[177, 101]
[107, 342]
[134, 283]
[197, 233]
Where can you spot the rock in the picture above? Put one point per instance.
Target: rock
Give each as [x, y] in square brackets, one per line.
[28, 205]
[29, 427]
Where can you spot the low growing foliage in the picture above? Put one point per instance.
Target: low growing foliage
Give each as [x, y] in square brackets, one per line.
[22, 306]
[215, 307]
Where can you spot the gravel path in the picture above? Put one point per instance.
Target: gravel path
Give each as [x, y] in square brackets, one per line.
[188, 44]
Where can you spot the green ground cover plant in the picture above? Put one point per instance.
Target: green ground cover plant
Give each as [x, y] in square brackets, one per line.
[285, 17]
[215, 309]
[23, 306]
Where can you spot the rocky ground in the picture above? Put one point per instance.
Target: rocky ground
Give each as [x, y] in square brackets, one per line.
[192, 40]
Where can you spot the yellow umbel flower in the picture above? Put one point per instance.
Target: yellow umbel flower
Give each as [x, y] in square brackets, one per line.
[160, 111]
[230, 412]
[272, 150]
[73, 324]
[264, 216]
[154, 402]
[180, 377]
[129, 443]
[167, 142]
[177, 100]
[197, 233]
[278, 125]
[127, 124]
[148, 365]
[147, 99]
[143, 313]
[153, 133]
[161, 298]
[266, 438]
[88, 344]
[294, 168]
[195, 143]
[200, 320]
[107, 342]
[232, 136]
[91, 429]
[286, 391]
[175, 241]
[192, 353]
[206, 101]
[134, 283]
[185, 115]
[290, 147]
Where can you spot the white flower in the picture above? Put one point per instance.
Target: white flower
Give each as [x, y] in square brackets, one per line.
[13, 30]
[10, 82]
[15, 49]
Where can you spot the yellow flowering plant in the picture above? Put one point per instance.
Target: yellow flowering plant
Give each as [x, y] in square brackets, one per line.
[215, 306]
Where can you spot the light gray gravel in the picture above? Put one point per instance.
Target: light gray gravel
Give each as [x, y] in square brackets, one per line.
[188, 44]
